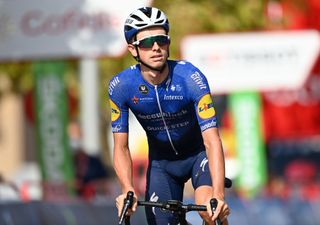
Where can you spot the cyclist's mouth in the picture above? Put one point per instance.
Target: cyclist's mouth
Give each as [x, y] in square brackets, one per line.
[157, 58]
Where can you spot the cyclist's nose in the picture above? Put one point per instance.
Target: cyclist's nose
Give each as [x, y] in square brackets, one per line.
[155, 45]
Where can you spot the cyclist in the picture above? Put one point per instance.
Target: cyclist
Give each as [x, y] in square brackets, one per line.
[171, 100]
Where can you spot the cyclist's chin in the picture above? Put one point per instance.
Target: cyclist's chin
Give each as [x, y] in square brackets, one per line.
[158, 64]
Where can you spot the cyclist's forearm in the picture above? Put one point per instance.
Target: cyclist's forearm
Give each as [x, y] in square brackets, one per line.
[217, 170]
[218, 174]
[216, 163]
[123, 168]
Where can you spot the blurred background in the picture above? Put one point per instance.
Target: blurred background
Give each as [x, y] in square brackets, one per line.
[262, 61]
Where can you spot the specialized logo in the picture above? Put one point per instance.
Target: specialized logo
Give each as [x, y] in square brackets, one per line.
[115, 111]
[154, 198]
[135, 100]
[203, 164]
[143, 89]
[205, 107]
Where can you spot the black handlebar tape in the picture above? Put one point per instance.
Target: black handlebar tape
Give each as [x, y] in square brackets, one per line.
[192, 207]
[214, 204]
[128, 201]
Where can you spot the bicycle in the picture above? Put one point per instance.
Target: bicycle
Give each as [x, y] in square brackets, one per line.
[174, 206]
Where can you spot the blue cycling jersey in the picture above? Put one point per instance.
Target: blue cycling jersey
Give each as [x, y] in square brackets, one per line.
[173, 113]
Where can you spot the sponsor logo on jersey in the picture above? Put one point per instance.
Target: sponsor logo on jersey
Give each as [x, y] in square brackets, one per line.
[171, 126]
[205, 107]
[176, 87]
[133, 67]
[166, 115]
[196, 77]
[113, 83]
[146, 99]
[135, 100]
[143, 89]
[173, 97]
[213, 123]
[115, 111]
[117, 128]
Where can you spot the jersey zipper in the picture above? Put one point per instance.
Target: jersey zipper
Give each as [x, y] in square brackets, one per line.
[164, 121]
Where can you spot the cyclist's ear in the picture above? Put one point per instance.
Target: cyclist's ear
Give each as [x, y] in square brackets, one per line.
[133, 50]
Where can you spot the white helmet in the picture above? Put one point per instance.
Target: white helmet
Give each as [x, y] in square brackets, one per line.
[143, 18]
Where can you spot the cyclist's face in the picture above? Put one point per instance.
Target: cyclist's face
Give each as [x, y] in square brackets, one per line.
[157, 54]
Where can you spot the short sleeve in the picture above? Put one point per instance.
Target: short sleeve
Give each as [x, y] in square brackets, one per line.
[199, 91]
[118, 106]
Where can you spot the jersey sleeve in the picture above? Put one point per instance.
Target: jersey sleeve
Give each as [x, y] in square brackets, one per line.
[201, 97]
[119, 108]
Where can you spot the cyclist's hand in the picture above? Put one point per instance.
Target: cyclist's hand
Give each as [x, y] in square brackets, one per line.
[222, 211]
[120, 203]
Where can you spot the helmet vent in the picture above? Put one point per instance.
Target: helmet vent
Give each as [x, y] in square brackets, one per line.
[158, 14]
[141, 25]
[136, 17]
[160, 21]
[147, 11]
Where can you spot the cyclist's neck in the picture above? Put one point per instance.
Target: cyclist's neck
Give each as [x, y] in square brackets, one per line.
[155, 77]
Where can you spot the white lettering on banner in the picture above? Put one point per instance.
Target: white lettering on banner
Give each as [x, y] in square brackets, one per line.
[199, 81]
[113, 84]
[249, 145]
[253, 57]
[51, 127]
[260, 61]
[63, 29]
[36, 22]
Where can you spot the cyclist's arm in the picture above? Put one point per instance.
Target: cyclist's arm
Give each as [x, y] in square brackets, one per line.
[123, 166]
[122, 161]
[216, 162]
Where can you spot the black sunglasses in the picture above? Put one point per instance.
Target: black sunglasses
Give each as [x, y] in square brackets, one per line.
[148, 42]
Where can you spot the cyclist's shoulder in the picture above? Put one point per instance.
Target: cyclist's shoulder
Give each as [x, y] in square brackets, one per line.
[181, 65]
[127, 73]
[183, 68]
[186, 71]
[123, 79]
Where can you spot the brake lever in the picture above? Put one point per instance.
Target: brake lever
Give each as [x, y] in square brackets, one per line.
[128, 202]
[214, 204]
